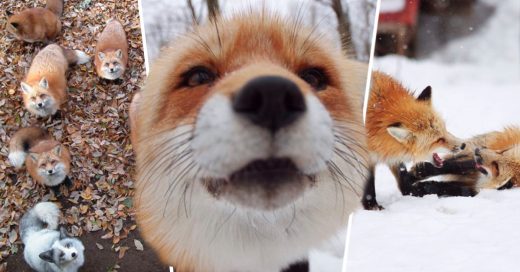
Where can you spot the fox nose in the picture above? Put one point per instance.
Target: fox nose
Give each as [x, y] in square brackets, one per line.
[462, 146]
[112, 70]
[40, 105]
[50, 171]
[73, 255]
[271, 102]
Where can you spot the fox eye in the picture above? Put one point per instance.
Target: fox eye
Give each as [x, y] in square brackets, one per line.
[107, 64]
[53, 161]
[441, 141]
[315, 77]
[33, 98]
[62, 254]
[42, 96]
[114, 63]
[198, 76]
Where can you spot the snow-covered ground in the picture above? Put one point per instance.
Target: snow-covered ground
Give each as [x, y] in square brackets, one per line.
[476, 88]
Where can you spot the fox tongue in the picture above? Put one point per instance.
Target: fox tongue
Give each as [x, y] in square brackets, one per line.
[437, 161]
[481, 168]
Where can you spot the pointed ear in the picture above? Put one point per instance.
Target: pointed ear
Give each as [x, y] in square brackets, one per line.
[26, 88]
[101, 55]
[33, 156]
[57, 150]
[15, 25]
[400, 133]
[44, 83]
[63, 233]
[8, 13]
[426, 95]
[47, 256]
[119, 53]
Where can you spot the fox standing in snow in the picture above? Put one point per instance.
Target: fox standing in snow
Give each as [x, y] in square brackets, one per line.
[47, 161]
[45, 248]
[249, 144]
[401, 128]
[37, 24]
[111, 51]
[44, 89]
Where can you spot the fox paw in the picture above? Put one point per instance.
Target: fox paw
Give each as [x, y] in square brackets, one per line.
[371, 204]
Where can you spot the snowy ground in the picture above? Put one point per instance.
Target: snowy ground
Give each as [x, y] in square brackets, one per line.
[475, 94]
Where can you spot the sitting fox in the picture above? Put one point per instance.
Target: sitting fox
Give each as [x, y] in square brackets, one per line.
[111, 51]
[47, 160]
[37, 24]
[44, 89]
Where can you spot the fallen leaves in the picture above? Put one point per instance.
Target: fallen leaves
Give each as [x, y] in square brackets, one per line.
[93, 125]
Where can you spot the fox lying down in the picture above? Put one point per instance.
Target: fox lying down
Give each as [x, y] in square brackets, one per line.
[250, 146]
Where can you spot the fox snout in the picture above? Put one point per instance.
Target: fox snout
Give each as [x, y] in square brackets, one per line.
[271, 102]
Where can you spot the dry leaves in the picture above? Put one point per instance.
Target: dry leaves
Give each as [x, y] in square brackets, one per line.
[93, 125]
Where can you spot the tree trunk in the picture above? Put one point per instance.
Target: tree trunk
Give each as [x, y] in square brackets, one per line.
[213, 9]
[343, 28]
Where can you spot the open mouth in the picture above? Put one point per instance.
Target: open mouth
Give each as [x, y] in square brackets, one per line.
[271, 170]
[437, 160]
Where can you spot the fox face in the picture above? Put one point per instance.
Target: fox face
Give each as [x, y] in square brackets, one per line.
[501, 169]
[423, 132]
[248, 117]
[50, 165]
[112, 66]
[38, 99]
[65, 251]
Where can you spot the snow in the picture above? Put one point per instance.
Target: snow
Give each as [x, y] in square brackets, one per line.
[392, 5]
[476, 89]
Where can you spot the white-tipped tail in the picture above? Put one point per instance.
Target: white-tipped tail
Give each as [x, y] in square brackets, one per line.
[17, 158]
[47, 212]
[82, 57]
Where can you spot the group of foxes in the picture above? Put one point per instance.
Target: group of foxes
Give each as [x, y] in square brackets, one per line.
[403, 128]
[44, 91]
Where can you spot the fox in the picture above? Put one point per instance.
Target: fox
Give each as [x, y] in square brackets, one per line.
[44, 88]
[111, 51]
[47, 160]
[37, 24]
[401, 128]
[250, 146]
[491, 161]
[48, 249]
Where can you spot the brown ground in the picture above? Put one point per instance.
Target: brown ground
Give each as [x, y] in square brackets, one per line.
[93, 125]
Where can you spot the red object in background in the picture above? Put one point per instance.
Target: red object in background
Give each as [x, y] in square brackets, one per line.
[407, 16]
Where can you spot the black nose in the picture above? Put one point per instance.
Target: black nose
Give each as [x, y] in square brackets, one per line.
[271, 102]
[73, 255]
[50, 171]
[462, 146]
[111, 70]
[40, 105]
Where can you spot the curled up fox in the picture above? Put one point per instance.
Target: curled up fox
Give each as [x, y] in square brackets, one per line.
[41, 24]
[250, 145]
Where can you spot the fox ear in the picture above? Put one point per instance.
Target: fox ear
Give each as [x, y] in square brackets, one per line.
[15, 25]
[33, 157]
[119, 53]
[101, 55]
[8, 13]
[47, 256]
[26, 88]
[401, 134]
[44, 83]
[57, 150]
[63, 233]
[426, 95]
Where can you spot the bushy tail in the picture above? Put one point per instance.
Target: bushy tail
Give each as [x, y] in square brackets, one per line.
[22, 141]
[56, 6]
[43, 215]
[75, 56]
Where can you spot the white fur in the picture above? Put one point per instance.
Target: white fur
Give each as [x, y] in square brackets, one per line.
[56, 178]
[229, 237]
[17, 158]
[82, 57]
[49, 213]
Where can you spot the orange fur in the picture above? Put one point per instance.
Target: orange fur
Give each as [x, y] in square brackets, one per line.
[112, 46]
[255, 45]
[37, 24]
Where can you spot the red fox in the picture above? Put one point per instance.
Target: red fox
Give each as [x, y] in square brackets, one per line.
[250, 146]
[44, 89]
[401, 128]
[47, 161]
[111, 51]
[37, 24]
[490, 160]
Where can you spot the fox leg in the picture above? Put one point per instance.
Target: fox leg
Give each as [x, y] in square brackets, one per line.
[369, 200]
[301, 266]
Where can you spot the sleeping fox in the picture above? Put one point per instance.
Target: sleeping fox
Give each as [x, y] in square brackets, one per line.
[37, 24]
[401, 128]
[111, 51]
[44, 89]
[47, 160]
[250, 145]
